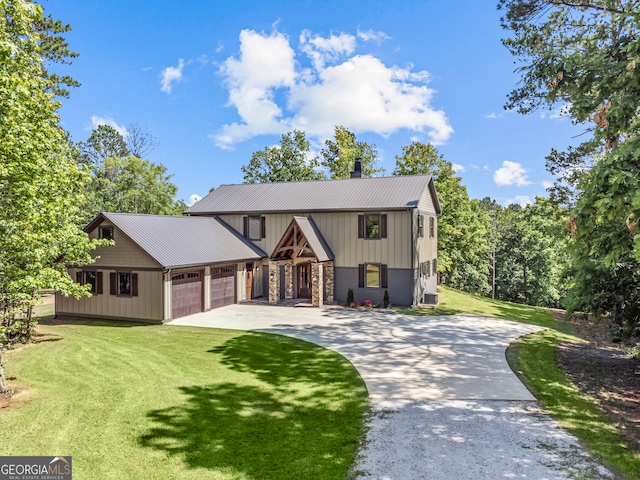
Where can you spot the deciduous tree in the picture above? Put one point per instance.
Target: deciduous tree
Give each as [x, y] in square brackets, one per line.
[463, 248]
[339, 155]
[40, 183]
[584, 56]
[291, 161]
[119, 180]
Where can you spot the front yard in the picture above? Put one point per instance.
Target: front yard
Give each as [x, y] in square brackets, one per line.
[160, 402]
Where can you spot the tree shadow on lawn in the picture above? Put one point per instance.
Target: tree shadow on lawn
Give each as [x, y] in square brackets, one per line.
[298, 415]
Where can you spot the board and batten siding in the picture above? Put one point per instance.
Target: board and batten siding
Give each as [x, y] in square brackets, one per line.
[124, 253]
[340, 230]
[146, 306]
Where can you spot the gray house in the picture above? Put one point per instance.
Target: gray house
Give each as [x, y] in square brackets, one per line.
[309, 240]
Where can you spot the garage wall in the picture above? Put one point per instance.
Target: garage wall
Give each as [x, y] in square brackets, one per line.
[146, 306]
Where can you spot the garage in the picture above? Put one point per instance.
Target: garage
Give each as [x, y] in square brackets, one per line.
[186, 293]
[222, 286]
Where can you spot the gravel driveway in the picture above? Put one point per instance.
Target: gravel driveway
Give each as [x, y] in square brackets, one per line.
[444, 402]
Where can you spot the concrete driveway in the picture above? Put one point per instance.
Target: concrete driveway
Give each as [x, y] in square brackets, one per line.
[445, 404]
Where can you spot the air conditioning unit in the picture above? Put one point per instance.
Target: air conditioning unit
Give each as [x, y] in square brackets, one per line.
[430, 298]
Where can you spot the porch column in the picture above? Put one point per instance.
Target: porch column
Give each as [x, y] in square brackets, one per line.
[317, 286]
[288, 280]
[330, 283]
[274, 283]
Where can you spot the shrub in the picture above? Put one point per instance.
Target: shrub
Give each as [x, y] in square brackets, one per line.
[349, 301]
[367, 303]
[385, 301]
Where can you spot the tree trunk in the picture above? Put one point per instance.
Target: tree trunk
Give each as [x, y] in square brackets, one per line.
[3, 384]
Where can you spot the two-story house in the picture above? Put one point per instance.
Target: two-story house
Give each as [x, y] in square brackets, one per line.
[308, 240]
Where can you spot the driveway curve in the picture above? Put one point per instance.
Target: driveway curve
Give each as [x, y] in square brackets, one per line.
[444, 402]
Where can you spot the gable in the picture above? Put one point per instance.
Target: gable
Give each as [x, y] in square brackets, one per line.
[179, 241]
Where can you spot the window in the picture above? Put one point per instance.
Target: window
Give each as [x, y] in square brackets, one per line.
[254, 227]
[421, 226]
[105, 232]
[424, 268]
[92, 278]
[124, 284]
[434, 269]
[372, 275]
[432, 227]
[372, 225]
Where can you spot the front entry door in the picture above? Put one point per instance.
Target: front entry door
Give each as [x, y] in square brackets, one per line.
[249, 280]
[304, 280]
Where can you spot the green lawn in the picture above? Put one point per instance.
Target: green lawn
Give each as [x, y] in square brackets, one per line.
[161, 402]
[452, 301]
[533, 359]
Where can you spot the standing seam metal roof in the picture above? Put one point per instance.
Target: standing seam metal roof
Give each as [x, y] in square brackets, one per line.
[378, 193]
[178, 241]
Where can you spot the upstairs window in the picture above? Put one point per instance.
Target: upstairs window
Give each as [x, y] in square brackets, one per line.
[432, 227]
[372, 226]
[105, 232]
[254, 227]
[420, 226]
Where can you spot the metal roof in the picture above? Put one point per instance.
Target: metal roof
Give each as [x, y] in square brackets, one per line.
[314, 238]
[353, 194]
[179, 241]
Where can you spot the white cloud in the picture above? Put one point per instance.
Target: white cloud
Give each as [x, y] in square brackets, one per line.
[321, 50]
[96, 121]
[193, 198]
[272, 93]
[170, 75]
[522, 200]
[547, 185]
[511, 173]
[458, 168]
[485, 168]
[372, 36]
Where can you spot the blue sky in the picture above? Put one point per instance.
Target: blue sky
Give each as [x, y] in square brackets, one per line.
[215, 81]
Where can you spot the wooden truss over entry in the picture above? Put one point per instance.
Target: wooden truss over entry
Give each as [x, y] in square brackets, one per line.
[302, 244]
[302, 239]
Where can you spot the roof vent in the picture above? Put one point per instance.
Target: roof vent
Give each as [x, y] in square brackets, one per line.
[357, 170]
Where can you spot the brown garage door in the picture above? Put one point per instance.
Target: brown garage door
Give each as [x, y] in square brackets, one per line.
[186, 293]
[222, 286]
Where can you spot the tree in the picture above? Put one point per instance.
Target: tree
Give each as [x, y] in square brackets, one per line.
[54, 48]
[133, 185]
[586, 56]
[339, 155]
[417, 159]
[140, 142]
[531, 254]
[463, 248]
[289, 162]
[119, 180]
[104, 142]
[40, 183]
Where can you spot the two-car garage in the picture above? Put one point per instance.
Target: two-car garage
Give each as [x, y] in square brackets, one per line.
[188, 290]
